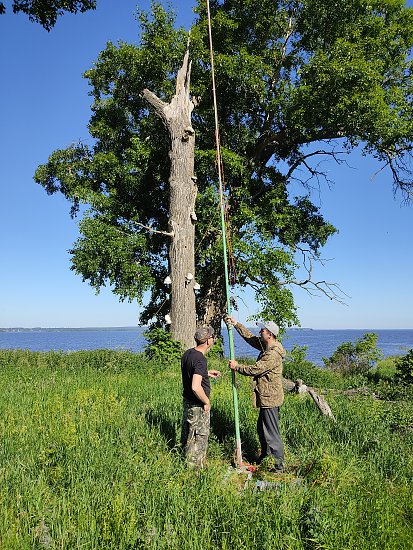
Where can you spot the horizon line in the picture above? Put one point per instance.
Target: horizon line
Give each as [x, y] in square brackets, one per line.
[135, 327]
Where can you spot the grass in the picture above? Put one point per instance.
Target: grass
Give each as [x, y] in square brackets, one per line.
[89, 459]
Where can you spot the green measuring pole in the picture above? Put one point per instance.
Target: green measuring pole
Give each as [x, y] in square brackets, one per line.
[224, 240]
[230, 329]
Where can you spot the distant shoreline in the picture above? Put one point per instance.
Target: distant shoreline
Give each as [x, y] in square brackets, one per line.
[137, 328]
[67, 329]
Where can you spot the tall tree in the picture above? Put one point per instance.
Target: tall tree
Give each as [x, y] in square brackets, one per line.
[46, 12]
[176, 116]
[298, 82]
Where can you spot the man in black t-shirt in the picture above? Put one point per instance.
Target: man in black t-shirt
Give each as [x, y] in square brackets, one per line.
[196, 392]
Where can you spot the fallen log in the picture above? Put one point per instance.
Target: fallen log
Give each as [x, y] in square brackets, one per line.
[300, 388]
[321, 404]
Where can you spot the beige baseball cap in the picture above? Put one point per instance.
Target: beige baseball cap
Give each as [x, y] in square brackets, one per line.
[271, 326]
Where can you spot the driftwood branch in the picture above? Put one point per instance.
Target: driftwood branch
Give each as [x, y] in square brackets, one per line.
[300, 388]
[321, 404]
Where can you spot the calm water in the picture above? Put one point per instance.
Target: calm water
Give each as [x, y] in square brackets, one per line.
[320, 343]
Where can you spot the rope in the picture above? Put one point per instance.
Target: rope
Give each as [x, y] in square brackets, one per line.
[224, 237]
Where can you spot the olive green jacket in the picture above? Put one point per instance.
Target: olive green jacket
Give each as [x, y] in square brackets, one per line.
[267, 371]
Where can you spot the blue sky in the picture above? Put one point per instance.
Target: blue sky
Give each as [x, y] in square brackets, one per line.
[45, 106]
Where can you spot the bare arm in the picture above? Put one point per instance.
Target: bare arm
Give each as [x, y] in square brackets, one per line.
[199, 392]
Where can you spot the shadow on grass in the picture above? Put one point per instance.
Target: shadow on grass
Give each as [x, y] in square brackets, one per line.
[223, 427]
[167, 427]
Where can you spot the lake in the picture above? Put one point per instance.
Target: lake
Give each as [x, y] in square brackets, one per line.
[320, 343]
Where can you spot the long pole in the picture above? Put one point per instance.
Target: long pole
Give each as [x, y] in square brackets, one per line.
[224, 242]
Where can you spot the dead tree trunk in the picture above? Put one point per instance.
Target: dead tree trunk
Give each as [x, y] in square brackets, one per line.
[176, 116]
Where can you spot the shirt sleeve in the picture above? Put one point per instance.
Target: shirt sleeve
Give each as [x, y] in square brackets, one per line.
[249, 337]
[200, 366]
[270, 361]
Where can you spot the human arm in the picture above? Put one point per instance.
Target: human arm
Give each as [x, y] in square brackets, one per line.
[199, 392]
[246, 334]
[270, 361]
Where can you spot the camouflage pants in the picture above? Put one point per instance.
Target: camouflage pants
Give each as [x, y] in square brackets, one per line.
[194, 434]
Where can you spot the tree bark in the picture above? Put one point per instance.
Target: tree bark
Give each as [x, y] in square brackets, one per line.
[211, 305]
[176, 116]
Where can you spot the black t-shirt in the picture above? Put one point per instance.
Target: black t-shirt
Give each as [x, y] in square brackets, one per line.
[194, 362]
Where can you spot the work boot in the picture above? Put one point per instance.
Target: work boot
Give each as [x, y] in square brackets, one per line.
[272, 464]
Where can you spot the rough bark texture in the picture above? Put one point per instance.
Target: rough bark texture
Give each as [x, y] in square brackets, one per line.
[212, 306]
[176, 116]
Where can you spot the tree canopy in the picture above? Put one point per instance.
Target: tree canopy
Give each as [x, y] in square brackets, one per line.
[297, 82]
[46, 12]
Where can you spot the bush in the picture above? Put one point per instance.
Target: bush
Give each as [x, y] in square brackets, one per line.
[297, 366]
[161, 346]
[385, 370]
[404, 368]
[358, 358]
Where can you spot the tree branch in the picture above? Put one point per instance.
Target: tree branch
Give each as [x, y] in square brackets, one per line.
[148, 228]
[401, 172]
[314, 288]
[158, 105]
[302, 159]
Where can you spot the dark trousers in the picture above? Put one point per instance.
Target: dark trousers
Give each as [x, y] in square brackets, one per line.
[269, 434]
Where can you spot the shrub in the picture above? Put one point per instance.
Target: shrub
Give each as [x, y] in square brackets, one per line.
[357, 358]
[384, 370]
[297, 366]
[404, 368]
[161, 346]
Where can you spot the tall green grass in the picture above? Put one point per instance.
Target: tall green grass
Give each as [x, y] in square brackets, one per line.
[89, 459]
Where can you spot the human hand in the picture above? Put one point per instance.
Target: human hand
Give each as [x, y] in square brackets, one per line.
[233, 364]
[214, 373]
[207, 407]
[230, 321]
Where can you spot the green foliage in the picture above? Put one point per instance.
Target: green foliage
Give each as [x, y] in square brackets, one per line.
[46, 12]
[294, 80]
[385, 369]
[90, 458]
[161, 347]
[297, 366]
[404, 367]
[357, 358]
[399, 416]
[217, 350]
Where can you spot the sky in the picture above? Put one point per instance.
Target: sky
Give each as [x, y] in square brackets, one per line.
[45, 106]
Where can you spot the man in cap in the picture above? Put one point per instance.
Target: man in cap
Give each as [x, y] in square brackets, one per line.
[196, 392]
[267, 385]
